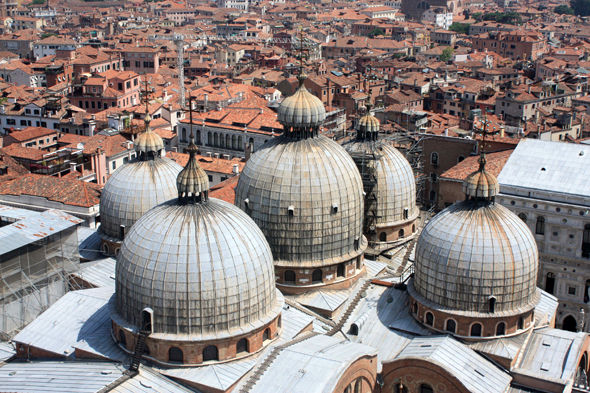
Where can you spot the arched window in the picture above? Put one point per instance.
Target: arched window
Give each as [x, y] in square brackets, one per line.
[540, 227]
[570, 324]
[198, 137]
[215, 139]
[316, 276]
[358, 384]
[266, 335]
[290, 277]
[429, 319]
[522, 216]
[228, 141]
[221, 140]
[550, 283]
[492, 304]
[105, 248]
[122, 338]
[209, 138]
[340, 270]
[434, 158]
[234, 142]
[146, 320]
[476, 330]
[520, 323]
[451, 326]
[424, 388]
[175, 355]
[460, 158]
[184, 135]
[240, 144]
[586, 242]
[501, 329]
[382, 237]
[415, 308]
[210, 353]
[279, 321]
[400, 234]
[242, 346]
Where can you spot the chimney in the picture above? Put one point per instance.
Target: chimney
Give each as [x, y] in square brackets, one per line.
[175, 149]
[529, 89]
[538, 129]
[247, 152]
[236, 169]
[502, 131]
[93, 117]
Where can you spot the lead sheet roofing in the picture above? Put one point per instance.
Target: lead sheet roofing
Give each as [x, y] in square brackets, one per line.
[548, 166]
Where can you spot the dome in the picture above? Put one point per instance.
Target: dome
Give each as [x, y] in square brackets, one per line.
[148, 142]
[302, 109]
[192, 179]
[204, 269]
[475, 251]
[396, 186]
[368, 123]
[307, 197]
[481, 184]
[135, 188]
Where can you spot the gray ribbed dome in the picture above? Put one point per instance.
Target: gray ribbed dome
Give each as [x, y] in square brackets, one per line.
[481, 184]
[148, 141]
[135, 188]
[205, 269]
[318, 181]
[473, 250]
[396, 186]
[368, 123]
[302, 109]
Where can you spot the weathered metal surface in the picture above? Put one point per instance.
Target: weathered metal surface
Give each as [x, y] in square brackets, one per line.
[302, 109]
[472, 251]
[396, 185]
[481, 184]
[148, 142]
[474, 371]
[135, 188]
[205, 270]
[192, 180]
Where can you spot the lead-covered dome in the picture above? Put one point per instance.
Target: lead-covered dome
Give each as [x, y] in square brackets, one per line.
[477, 256]
[205, 269]
[306, 196]
[133, 189]
[302, 109]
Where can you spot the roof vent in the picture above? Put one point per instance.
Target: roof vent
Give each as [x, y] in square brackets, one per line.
[543, 169]
[582, 153]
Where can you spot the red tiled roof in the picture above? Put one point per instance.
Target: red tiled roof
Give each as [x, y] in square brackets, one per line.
[226, 190]
[31, 133]
[494, 164]
[68, 192]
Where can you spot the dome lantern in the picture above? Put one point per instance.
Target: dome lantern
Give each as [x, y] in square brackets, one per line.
[367, 128]
[192, 181]
[481, 185]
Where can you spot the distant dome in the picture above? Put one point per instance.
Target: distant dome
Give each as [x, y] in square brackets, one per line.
[477, 250]
[205, 270]
[311, 177]
[368, 124]
[133, 189]
[302, 109]
[396, 186]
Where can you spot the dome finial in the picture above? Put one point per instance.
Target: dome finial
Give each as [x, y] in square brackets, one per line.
[367, 128]
[192, 181]
[149, 144]
[481, 184]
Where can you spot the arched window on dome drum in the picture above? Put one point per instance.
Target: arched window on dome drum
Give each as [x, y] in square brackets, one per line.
[413, 228]
[122, 338]
[406, 213]
[175, 355]
[210, 353]
[424, 388]
[358, 384]
[280, 321]
[501, 329]
[317, 276]
[266, 335]
[540, 227]
[586, 242]
[451, 326]
[105, 248]
[522, 216]
[290, 277]
[434, 158]
[476, 330]
[400, 234]
[242, 346]
[492, 304]
[382, 236]
[415, 308]
[340, 270]
[520, 323]
[550, 283]
[429, 319]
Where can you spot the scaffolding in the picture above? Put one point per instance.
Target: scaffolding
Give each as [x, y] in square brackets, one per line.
[35, 267]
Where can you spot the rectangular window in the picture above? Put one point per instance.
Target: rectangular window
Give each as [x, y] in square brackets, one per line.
[135, 82]
[137, 64]
[44, 124]
[128, 84]
[145, 64]
[571, 290]
[114, 165]
[23, 123]
[120, 86]
[28, 111]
